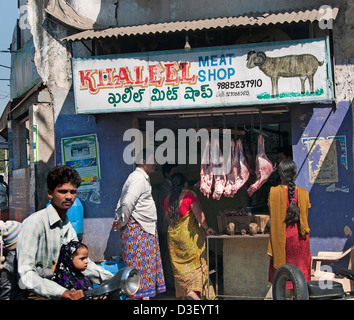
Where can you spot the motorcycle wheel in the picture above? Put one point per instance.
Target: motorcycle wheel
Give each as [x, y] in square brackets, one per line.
[289, 272]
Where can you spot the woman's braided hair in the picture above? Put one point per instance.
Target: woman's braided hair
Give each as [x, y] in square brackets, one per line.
[287, 171]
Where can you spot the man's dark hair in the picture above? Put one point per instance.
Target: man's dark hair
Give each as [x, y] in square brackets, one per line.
[167, 167]
[62, 174]
[143, 155]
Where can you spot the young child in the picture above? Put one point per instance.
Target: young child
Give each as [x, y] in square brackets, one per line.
[9, 231]
[71, 264]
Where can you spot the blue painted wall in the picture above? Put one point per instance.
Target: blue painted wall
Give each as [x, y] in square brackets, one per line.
[98, 235]
[332, 205]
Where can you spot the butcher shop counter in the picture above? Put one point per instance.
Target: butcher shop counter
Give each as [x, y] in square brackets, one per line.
[245, 265]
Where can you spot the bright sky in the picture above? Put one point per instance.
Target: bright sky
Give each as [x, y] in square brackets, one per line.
[8, 17]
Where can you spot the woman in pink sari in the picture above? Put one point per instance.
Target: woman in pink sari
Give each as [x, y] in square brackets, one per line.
[186, 241]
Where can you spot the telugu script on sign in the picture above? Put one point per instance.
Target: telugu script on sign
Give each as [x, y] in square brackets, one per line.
[209, 77]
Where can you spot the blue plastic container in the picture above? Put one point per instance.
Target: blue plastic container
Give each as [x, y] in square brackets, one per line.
[112, 266]
[76, 217]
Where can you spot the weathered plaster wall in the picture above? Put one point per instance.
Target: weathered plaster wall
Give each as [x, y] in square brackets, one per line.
[343, 49]
[52, 57]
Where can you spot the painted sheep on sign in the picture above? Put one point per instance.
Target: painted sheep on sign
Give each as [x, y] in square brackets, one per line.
[303, 66]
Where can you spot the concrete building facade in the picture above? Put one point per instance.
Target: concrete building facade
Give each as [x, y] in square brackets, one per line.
[66, 30]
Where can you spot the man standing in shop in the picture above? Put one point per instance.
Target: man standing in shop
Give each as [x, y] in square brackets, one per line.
[135, 218]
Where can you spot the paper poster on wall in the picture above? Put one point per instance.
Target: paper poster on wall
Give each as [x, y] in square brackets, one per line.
[322, 160]
[82, 154]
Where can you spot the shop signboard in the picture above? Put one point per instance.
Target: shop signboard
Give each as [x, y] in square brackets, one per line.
[262, 73]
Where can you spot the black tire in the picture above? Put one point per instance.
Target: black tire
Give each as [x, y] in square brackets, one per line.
[289, 272]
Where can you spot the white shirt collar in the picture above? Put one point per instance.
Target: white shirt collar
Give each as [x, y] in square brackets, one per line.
[144, 173]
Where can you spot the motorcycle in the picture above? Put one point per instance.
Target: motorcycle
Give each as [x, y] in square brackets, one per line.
[309, 290]
[124, 283]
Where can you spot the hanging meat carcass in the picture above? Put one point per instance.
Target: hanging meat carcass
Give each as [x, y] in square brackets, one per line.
[264, 167]
[218, 170]
[243, 171]
[230, 177]
[206, 172]
[251, 162]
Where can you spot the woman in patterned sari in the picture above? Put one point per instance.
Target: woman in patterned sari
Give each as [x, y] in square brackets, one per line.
[186, 241]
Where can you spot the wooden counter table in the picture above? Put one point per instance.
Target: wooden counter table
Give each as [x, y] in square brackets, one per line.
[245, 265]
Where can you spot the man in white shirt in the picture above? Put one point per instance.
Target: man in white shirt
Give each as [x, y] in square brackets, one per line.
[136, 200]
[135, 218]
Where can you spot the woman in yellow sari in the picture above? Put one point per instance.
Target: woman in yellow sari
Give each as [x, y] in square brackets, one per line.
[186, 241]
